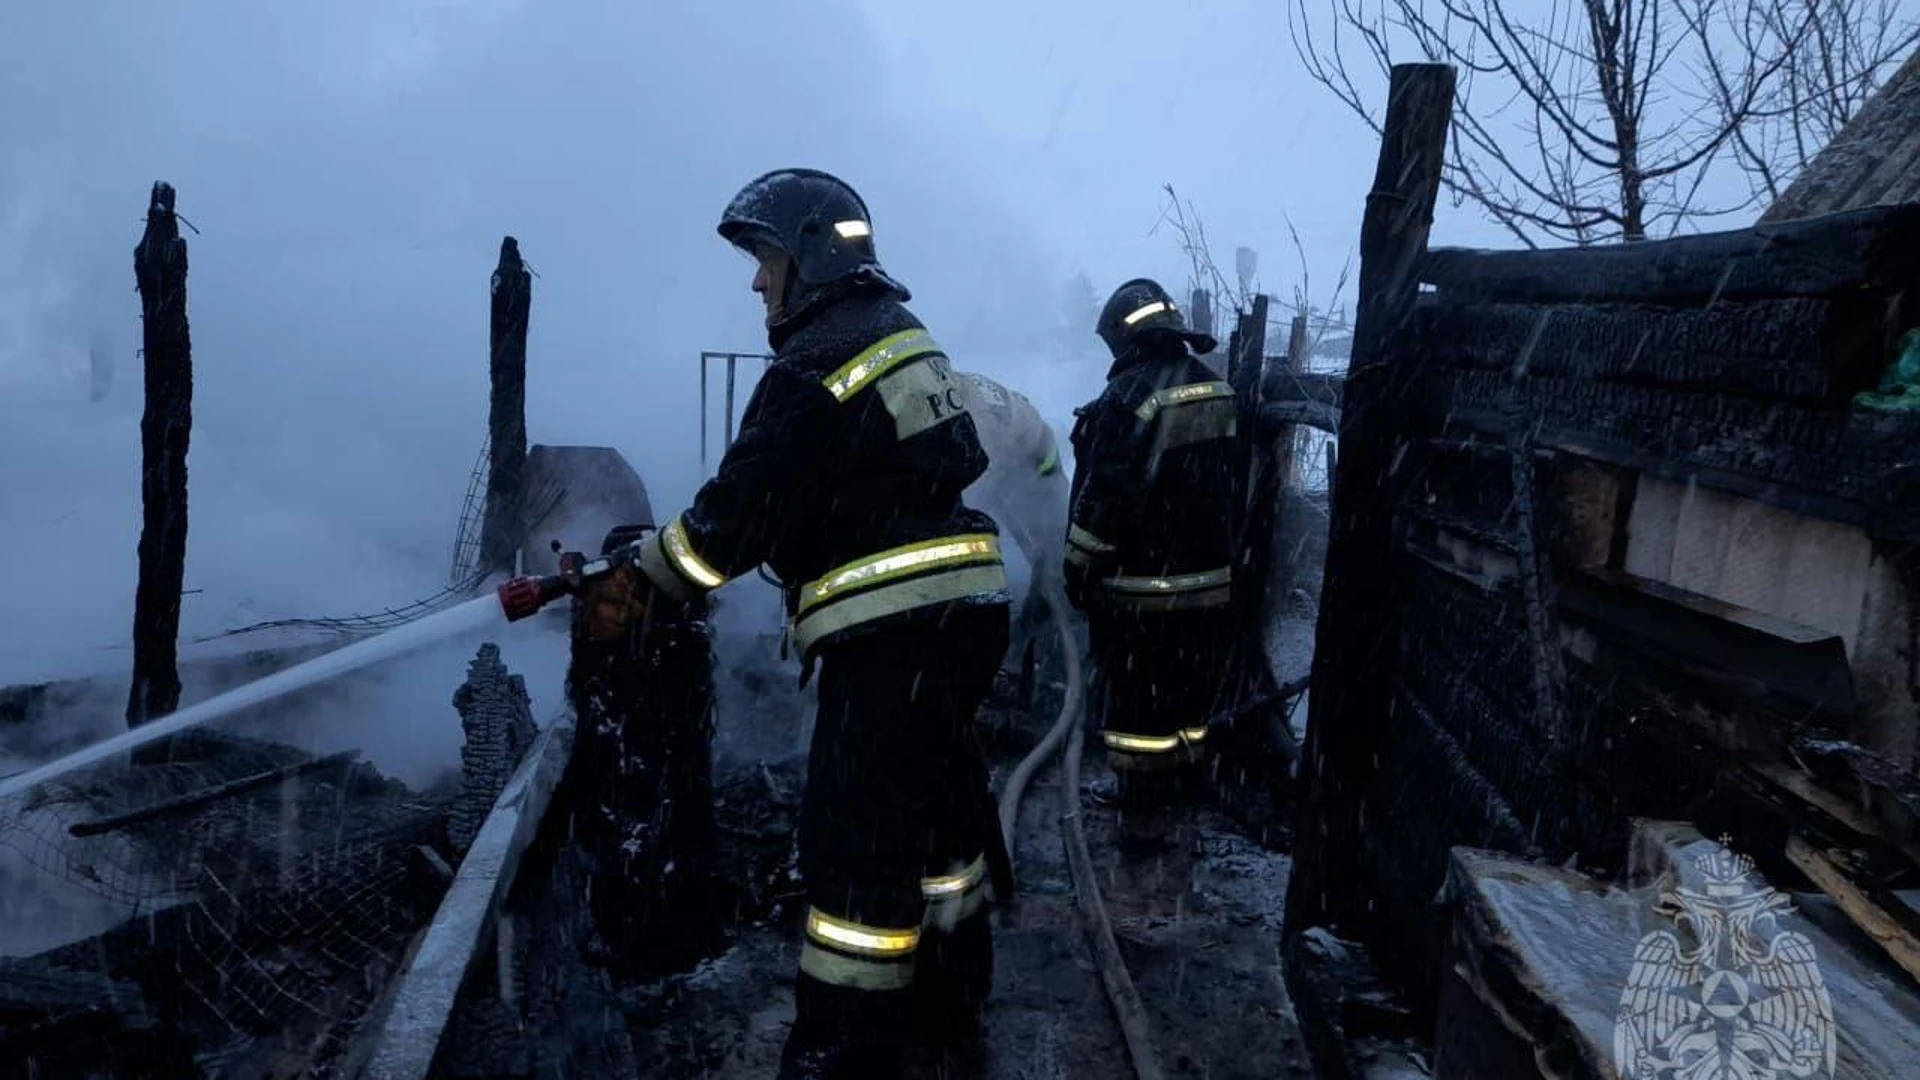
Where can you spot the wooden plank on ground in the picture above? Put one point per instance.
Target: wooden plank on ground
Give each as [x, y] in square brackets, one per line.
[409, 1039]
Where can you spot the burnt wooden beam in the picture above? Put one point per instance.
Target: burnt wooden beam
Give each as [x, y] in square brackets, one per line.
[1845, 466]
[160, 270]
[1274, 431]
[1247, 347]
[1876, 248]
[502, 524]
[1276, 416]
[1361, 599]
[1260, 489]
[1803, 348]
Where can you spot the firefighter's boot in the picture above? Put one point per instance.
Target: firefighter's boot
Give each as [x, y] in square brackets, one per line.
[840, 1033]
[1147, 805]
[952, 977]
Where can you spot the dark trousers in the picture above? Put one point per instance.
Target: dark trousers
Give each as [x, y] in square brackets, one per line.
[1159, 679]
[893, 829]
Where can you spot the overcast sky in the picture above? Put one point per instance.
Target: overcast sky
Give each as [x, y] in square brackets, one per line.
[352, 168]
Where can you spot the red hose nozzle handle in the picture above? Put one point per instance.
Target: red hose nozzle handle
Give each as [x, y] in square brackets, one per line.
[525, 596]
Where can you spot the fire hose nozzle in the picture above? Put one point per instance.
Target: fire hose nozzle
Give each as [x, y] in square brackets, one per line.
[525, 596]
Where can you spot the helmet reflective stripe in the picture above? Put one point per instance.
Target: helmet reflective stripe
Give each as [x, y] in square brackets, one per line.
[1142, 312]
[817, 219]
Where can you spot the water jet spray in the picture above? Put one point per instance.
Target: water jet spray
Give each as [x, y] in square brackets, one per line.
[512, 601]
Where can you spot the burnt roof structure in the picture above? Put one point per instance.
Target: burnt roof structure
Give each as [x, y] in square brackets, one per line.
[1874, 161]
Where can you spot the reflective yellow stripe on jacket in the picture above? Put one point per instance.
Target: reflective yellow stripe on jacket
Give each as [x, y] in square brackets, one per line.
[1188, 394]
[669, 561]
[1186, 415]
[897, 581]
[878, 359]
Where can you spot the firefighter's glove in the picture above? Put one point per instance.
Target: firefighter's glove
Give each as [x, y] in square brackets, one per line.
[615, 602]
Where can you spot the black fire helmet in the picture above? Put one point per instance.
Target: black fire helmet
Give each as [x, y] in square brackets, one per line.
[817, 219]
[1141, 309]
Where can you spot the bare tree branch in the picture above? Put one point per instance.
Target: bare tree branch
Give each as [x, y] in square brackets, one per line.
[1611, 118]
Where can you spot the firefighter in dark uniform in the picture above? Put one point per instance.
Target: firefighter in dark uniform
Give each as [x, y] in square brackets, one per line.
[846, 482]
[1150, 546]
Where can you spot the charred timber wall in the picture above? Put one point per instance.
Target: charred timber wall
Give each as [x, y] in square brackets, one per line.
[1533, 665]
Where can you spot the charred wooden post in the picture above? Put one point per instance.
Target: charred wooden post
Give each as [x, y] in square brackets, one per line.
[1253, 679]
[642, 785]
[497, 716]
[1358, 620]
[1279, 578]
[507, 417]
[1255, 756]
[1202, 311]
[160, 269]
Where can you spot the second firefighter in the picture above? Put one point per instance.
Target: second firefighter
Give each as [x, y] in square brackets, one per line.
[1150, 543]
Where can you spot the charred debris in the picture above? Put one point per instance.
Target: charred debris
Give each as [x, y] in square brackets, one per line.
[301, 915]
[1622, 547]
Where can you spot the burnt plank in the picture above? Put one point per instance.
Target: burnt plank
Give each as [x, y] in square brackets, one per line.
[1466, 658]
[1470, 483]
[1776, 348]
[1744, 649]
[1875, 248]
[1282, 383]
[1435, 799]
[1829, 463]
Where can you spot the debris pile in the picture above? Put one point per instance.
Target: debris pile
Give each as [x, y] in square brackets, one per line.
[275, 895]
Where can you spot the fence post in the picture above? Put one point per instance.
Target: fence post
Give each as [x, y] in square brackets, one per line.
[732, 366]
[1358, 623]
[501, 526]
[160, 270]
[1202, 311]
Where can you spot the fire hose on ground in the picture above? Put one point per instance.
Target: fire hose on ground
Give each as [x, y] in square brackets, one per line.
[1128, 1011]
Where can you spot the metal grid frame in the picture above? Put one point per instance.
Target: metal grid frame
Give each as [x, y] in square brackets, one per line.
[732, 362]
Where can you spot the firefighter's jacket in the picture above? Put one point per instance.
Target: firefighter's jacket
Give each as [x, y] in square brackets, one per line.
[845, 481]
[1151, 526]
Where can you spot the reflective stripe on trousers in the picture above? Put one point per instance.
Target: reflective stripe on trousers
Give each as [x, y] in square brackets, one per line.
[1125, 751]
[847, 953]
[1176, 592]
